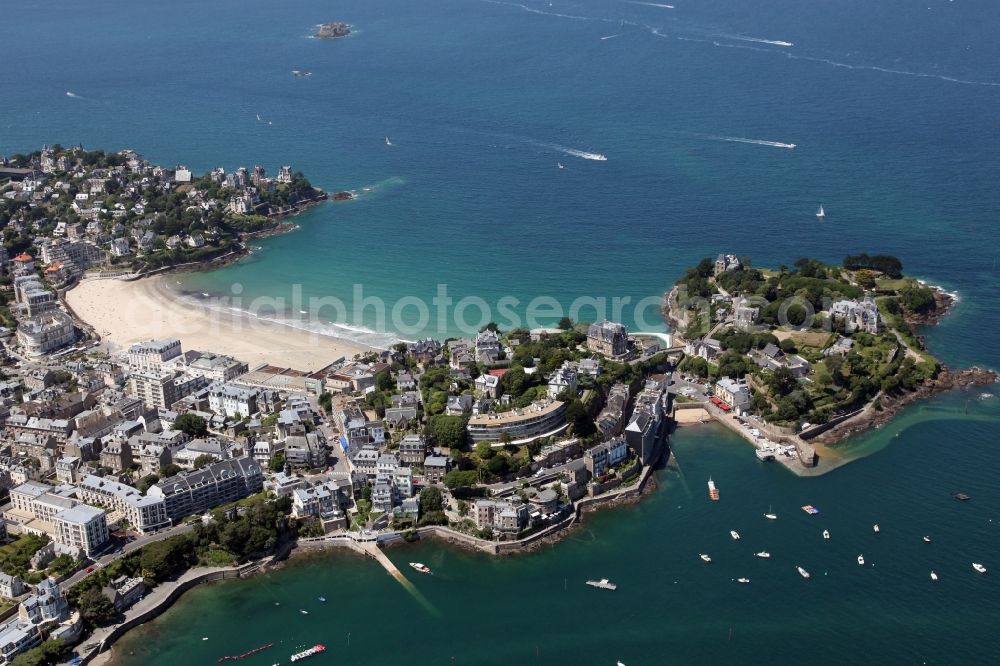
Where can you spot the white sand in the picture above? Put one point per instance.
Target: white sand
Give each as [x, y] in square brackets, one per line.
[123, 313]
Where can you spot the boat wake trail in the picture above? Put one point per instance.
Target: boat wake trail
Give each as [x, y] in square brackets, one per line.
[612, 36]
[74, 95]
[757, 40]
[755, 142]
[650, 4]
[535, 10]
[582, 154]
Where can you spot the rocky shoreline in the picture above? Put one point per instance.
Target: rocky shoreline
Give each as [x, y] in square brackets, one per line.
[947, 380]
[943, 302]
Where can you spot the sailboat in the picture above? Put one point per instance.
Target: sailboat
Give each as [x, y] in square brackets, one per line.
[560, 165]
[821, 213]
[770, 515]
[387, 142]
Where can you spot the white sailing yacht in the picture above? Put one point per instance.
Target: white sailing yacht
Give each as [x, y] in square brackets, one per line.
[821, 213]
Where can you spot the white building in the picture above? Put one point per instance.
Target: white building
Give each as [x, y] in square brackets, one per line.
[562, 379]
[45, 332]
[82, 527]
[152, 354]
[230, 399]
[143, 513]
[735, 394]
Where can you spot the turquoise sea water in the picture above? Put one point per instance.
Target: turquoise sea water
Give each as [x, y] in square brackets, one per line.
[892, 107]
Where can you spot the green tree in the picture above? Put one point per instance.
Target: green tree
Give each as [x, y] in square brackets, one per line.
[460, 479]
[579, 420]
[95, 608]
[191, 425]
[49, 652]
[169, 470]
[447, 431]
[146, 482]
[783, 382]
[431, 500]
[278, 462]
[498, 466]
[161, 559]
[203, 459]
[565, 323]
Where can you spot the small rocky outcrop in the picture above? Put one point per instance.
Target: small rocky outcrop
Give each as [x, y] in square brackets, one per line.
[333, 30]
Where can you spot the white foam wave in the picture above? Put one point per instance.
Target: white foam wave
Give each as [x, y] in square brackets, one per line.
[381, 186]
[755, 142]
[582, 154]
[348, 332]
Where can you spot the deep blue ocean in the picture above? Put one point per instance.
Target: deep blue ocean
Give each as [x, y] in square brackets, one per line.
[892, 107]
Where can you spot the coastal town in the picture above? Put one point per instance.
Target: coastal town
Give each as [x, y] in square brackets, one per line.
[805, 356]
[124, 468]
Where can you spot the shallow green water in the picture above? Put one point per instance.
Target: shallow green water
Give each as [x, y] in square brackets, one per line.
[670, 608]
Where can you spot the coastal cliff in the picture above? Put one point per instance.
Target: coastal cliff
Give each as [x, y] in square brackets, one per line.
[333, 30]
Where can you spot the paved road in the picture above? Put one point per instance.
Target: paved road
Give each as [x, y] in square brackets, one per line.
[107, 559]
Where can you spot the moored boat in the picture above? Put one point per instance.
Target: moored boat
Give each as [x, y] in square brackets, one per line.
[763, 554]
[979, 567]
[713, 492]
[743, 581]
[315, 649]
[803, 572]
[927, 539]
[934, 576]
[705, 558]
[735, 535]
[422, 568]
[875, 528]
[861, 560]
[826, 534]
[603, 584]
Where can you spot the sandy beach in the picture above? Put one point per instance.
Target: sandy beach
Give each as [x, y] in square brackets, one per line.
[123, 313]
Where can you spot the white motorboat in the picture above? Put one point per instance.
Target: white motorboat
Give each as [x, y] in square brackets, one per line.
[422, 568]
[803, 572]
[927, 539]
[743, 581]
[934, 576]
[735, 535]
[705, 558]
[861, 560]
[763, 554]
[979, 567]
[826, 534]
[875, 528]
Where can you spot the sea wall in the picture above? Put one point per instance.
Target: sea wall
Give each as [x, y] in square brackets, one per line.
[161, 603]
